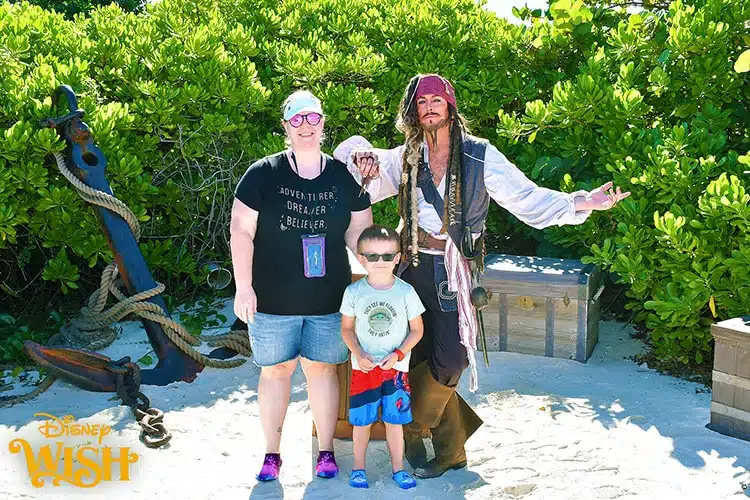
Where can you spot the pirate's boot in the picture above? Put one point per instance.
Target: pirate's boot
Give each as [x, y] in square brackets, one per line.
[459, 422]
[414, 449]
[428, 400]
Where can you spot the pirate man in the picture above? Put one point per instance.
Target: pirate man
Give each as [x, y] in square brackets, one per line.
[444, 178]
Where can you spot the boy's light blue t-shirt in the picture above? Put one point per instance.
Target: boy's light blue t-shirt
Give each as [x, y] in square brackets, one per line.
[381, 317]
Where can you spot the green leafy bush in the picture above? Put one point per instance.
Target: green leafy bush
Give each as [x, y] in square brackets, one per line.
[72, 7]
[14, 332]
[184, 96]
[657, 107]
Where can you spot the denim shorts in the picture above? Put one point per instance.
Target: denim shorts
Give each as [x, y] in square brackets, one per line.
[276, 338]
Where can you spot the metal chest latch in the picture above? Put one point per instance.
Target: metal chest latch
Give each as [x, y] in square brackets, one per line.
[526, 303]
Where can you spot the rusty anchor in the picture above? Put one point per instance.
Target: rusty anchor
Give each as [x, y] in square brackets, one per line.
[89, 370]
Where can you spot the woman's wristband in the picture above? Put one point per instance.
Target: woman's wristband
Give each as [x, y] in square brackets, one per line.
[400, 354]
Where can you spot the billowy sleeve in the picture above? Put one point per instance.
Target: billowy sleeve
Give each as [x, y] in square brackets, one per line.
[539, 207]
[387, 184]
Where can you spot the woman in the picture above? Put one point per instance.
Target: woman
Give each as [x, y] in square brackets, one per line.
[294, 213]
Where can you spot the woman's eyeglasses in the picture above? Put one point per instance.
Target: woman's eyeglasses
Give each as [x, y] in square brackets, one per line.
[374, 257]
[312, 118]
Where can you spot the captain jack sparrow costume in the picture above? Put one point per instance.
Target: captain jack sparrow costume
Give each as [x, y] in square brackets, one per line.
[441, 232]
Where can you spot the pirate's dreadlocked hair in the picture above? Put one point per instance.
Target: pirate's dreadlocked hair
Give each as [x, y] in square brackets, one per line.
[408, 123]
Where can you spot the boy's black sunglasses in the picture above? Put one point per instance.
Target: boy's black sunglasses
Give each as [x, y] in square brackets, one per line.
[374, 257]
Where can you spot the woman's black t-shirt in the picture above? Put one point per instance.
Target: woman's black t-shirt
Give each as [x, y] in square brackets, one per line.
[290, 207]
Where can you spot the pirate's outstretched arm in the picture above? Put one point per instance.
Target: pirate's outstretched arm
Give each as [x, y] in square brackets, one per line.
[540, 207]
[537, 206]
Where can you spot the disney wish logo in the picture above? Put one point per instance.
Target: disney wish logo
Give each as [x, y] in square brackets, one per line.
[82, 466]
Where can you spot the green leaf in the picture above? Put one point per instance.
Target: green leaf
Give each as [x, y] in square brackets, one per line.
[664, 56]
[743, 62]
[635, 20]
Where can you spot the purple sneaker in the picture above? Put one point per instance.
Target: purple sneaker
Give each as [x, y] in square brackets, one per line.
[270, 469]
[326, 467]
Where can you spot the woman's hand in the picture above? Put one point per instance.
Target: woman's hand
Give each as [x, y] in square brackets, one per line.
[245, 304]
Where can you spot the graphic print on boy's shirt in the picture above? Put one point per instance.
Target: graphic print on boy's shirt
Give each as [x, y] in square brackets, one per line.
[380, 317]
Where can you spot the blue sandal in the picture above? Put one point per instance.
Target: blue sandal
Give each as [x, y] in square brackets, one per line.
[404, 480]
[358, 479]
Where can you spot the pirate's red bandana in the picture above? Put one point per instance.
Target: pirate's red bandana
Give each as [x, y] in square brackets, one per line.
[437, 85]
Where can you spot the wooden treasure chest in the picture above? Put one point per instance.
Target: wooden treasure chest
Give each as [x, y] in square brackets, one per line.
[730, 401]
[542, 306]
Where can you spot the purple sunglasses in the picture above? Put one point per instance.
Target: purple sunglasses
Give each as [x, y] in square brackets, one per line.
[312, 118]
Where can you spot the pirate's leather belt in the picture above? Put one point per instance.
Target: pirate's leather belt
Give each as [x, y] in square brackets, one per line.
[426, 240]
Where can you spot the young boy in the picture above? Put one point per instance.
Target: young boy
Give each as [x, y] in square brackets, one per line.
[381, 322]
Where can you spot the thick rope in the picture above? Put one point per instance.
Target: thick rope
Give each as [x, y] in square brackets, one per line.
[92, 327]
[95, 317]
[96, 197]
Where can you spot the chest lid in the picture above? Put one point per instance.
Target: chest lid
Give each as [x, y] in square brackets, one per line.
[539, 276]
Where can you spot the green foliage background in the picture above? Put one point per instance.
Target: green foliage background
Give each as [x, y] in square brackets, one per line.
[184, 95]
[70, 8]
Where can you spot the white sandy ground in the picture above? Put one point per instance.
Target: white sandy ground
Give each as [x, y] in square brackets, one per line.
[553, 429]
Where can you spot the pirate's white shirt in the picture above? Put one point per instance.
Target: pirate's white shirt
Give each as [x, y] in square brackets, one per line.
[507, 185]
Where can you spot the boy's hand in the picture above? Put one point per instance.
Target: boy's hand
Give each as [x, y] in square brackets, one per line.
[389, 361]
[365, 362]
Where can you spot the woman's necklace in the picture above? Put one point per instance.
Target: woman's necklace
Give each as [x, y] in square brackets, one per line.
[295, 167]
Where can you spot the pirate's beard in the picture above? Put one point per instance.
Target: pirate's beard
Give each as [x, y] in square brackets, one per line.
[432, 129]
